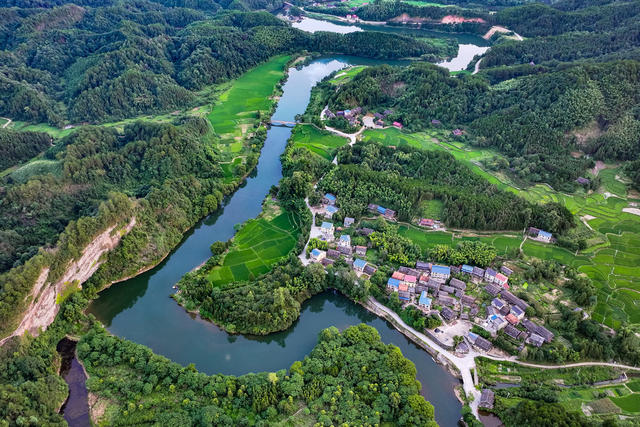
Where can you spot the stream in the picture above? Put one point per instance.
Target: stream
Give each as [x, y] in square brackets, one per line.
[140, 309]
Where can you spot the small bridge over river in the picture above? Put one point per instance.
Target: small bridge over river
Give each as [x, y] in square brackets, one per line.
[283, 123]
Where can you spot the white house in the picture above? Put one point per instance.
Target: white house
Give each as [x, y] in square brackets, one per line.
[317, 255]
[345, 241]
[327, 230]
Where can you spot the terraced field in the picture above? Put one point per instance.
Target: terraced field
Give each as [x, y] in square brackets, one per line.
[612, 259]
[259, 244]
[321, 142]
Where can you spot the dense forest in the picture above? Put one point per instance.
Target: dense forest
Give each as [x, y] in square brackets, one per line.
[110, 60]
[531, 119]
[17, 147]
[398, 178]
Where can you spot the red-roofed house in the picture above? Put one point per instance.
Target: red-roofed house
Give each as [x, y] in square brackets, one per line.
[410, 280]
[427, 222]
[501, 280]
[397, 275]
[511, 319]
[397, 125]
[403, 287]
[457, 132]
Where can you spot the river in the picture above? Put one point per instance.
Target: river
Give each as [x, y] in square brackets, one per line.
[469, 45]
[141, 310]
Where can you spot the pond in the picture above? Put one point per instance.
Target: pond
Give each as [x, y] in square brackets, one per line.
[140, 309]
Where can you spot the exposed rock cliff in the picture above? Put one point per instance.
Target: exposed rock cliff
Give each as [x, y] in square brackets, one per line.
[43, 307]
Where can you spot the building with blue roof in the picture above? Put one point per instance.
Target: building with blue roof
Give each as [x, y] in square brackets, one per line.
[330, 210]
[467, 269]
[318, 255]
[329, 198]
[393, 284]
[345, 240]
[359, 264]
[327, 230]
[381, 210]
[424, 300]
[544, 236]
[440, 272]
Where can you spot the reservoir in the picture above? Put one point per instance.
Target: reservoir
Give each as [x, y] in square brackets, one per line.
[141, 310]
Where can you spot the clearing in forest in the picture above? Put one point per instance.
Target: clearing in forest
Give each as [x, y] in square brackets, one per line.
[321, 142]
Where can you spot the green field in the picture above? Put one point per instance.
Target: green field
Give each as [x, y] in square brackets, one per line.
[321, 142]
[347, 74]
[612, 259]
[259, 244]
[629, 403]
[41, 127]
[239, 109]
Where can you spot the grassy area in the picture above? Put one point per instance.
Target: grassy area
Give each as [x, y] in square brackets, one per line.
[41, 127]
[259, 244]
[347, 74]
[240, 108]
[612, 259]
[3, 121]
[321, 142]
[37, 167]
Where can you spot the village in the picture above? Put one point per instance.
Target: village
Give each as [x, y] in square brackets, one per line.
[473, 305]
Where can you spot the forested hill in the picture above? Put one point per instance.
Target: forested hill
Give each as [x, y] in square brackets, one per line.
[531, 119]
[109, 60]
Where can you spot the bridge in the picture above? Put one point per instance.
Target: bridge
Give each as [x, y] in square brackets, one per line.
[283, 123]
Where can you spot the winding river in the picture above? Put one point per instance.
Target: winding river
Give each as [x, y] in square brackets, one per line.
[140, 309]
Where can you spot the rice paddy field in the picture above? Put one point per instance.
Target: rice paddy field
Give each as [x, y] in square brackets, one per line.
[612, 259]
[238, 110]
[321, 142]
[257, 246]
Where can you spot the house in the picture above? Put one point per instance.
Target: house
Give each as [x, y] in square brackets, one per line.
[381, 210]
[536, 340]
[511, 319]
[410, 280]
[459, 293]
[433, 286]
[544, 236]
[424, 278]
[467, 300]
[327, 230]
[333, 254]
[387, 112]
[361, 250]
[457, 132]
[427, 222]
[397, 125]
[436, 122]
[348, 221]
[344, 241]
[329, 211]
[582, 181]
[501, 280]
[447, 289]
[326, 262]
[517, 312]
[477, 275]
[369, 270]
[345, 250]
[496, 322]
[462, 348]
[457, 283]
[317, 255]
[506, 271]
[466, 269]
[390, 214]
[372, 207]
[532, 231]
[329, 199]
[403, 287]
[512, 331]
[487, 398]
[529, 325]
[498, 303]
[407, 270]
[446, 300]
[423, 266]
[479, 342]
[359, 264]
[455, 269]
[490, 275]
[424, 301]
[398, 275]
[493, 290]
[365, 231]
[545, 333]
[514, 300]
[440, 272]
[474, 311]
[393, 284]
[404, 295]
[447, 314]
